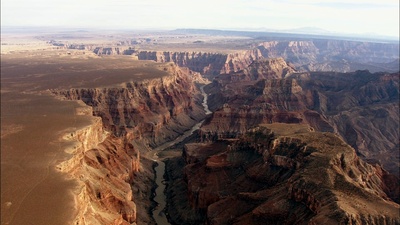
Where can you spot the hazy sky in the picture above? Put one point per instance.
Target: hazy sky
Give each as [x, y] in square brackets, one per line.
[351, 16]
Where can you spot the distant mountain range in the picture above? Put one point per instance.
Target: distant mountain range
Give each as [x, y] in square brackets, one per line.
[303, 32]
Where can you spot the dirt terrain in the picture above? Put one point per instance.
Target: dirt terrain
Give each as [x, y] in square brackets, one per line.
[33, 122]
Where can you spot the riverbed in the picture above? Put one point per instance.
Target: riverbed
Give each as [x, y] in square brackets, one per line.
[159, 212]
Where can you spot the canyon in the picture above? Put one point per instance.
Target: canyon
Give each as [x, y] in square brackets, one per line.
[139, 116]
[225, 183]
[282, 132]
[268, 176]
[305, 55]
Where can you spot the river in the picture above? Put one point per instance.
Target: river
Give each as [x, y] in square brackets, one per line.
[160, 198]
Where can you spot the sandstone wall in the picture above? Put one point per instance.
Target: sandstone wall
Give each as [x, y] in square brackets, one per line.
[104, 167]
[115, 180]
[333, 55]
[202, 62]
[155, 110]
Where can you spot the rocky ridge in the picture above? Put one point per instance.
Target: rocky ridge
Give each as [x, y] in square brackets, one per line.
[109, 162]
[202, 62]
[268, 175]
[304, 55]
[98, 50]
[252, 91]
[155, 110]
[104, 167]
[360, 107]
[330, 55]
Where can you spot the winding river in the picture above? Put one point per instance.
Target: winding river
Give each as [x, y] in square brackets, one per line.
[160, 198]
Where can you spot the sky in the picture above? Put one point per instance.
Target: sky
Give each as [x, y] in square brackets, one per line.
[379, 17]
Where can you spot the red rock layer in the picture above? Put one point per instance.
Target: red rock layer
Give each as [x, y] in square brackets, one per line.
[305, 55]
[293, 176]
[360, 107]
[202, 62]
[156, 110]
[116, 182]
[315, 55]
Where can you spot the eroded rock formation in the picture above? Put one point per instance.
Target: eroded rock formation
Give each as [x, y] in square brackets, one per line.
[104, 167]
[202, 62]
[116, 182]
[315, 55]
[361, 107]
[114, 51]
[155, 110]
[291, 176]
[331, 55]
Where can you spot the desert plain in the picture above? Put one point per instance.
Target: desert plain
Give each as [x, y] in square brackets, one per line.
[33, 123]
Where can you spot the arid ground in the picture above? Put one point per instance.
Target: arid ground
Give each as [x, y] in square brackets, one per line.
[33, 122]
[250, 74]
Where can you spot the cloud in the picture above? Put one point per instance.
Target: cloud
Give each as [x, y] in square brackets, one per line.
[357, 16]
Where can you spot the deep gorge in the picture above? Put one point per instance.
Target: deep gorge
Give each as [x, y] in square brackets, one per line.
[116, 174]
[224, 167]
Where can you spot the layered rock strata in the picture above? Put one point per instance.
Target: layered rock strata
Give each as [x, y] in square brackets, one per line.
[315, 55]
[155, 110]
[120, 50]
[115, 177]
[282, 174]
[202, 62]
[360, 107]
[330, 55]
[305, 55]
[104, 167]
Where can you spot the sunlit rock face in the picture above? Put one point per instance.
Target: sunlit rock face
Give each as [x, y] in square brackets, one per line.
[334, 55]
[155, 110]
[312, 55]
[202, 62]
[115, 180]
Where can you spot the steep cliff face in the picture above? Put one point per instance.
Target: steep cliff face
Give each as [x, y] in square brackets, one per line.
[241, 60]
[114, 50]
[116, 182]
[305, 55]
[121, 50]
[361, 107]
[205, 63]
[332, 55]
[268, 176]
[272, 68]
[105, 167]
[156, 110]
[320, 55]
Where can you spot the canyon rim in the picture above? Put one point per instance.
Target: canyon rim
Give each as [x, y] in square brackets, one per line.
[120, 128]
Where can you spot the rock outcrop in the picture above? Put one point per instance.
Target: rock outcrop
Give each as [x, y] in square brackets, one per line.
[321, 55]
[331, 55]
[360, 107]
[105, 167]
[314, 55]
[282, 174]
[202, 62]
[98, 50]
[238, 61]
[273, 68]
[114, 50]
[304, 55]
[116, 181]
[155, 110]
